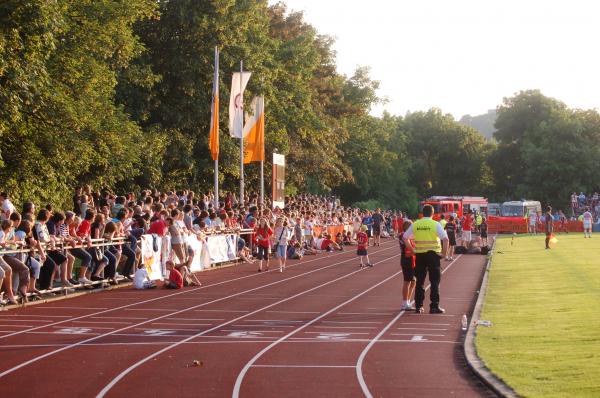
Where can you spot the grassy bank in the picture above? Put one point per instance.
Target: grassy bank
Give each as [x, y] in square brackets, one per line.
[544, 306]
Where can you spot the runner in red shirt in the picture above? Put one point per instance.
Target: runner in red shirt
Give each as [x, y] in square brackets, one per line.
[466, 233]
[363, 241]
[175, 280]
[263, 234]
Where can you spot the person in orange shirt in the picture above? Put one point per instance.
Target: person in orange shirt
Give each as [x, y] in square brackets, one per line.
[407, 261]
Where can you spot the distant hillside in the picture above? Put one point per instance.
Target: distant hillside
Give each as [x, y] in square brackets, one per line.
[484, 123]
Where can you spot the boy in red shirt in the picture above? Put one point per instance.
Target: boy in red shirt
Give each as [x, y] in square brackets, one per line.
[175, 280]
[363, 241]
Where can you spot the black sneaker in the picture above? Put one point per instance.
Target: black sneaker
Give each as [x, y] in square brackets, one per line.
[370, 265]
[436, 310]
[419, 310]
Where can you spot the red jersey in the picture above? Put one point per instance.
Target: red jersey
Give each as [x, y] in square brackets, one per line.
[467, 222]
[176, 277]
[262, 237]
[326, 243]
[158, 227]
[362, 239]
[84, 229]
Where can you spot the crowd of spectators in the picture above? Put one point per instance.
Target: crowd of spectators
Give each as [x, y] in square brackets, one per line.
[582, 202]
[96, 241]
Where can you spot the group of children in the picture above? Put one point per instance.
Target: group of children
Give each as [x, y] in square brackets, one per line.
[179, 276]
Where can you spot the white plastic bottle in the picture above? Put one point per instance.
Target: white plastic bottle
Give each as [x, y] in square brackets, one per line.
[464, 323]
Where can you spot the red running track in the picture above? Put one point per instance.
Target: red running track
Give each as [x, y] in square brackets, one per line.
[323, 327]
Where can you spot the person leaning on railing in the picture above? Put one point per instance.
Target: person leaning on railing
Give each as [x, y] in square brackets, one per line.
[7, 241]
[54, 228]
[69, 235]
[55, 258]
[126, 231]
[34, 259]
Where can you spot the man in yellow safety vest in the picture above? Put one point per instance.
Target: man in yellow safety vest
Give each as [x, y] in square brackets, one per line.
[430, 245]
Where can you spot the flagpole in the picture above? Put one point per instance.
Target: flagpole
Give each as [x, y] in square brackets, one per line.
[262, 182]
[241, 202]
[216, 121]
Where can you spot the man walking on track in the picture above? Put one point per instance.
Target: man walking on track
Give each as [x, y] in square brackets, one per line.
[431, 244]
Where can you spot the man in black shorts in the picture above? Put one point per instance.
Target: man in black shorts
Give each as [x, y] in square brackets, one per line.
[378, 220]
[407, 261]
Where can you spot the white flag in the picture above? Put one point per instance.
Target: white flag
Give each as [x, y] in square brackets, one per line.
[236, 104]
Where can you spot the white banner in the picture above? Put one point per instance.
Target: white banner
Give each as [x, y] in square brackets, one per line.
[236, 104]
[216, 249]
[151, 258]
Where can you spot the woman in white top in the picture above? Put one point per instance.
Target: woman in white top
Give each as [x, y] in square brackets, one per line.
[177, 236]
[281, 234]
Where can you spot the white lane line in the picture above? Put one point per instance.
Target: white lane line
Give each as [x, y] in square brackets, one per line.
[345, 327]
[48, 354]
[250, 331]
[119, 377]
[293, 340]
[367, 313]
[150, 309]
[181, 324]
[344, 322]
[246, 325]
[336, 332]
[103, 322]
[234, 311]
[294, 312]
[69, 308]
[23, 320]
[118, 317]
[363, 354]
[18, 326]
[303, 366]
[431, 329]
[196, 319]
[273, 320]
[79, 326]
[423, 323]
[148, 300]
[37, 316]
[242, 374]
[412, 334]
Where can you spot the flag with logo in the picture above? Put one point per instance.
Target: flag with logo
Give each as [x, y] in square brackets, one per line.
[214, 110]
[236, 104]
[254, 132]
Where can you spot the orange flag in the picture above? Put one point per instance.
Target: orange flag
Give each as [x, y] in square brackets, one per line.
[254, 131]
[214, 119]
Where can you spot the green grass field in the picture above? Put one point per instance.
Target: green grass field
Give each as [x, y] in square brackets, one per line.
[545, 310]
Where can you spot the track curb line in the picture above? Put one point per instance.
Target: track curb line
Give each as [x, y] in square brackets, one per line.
[475, 362]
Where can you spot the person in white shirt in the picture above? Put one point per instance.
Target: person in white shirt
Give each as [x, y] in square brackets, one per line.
[7, 207]
[588, 219]
[533, 219]
[141, 279]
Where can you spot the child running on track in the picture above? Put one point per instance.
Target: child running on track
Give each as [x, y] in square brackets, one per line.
[407, 261]
[363, 241]
[263, 239]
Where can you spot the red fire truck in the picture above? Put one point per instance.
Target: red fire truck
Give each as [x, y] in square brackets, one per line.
[454, 205]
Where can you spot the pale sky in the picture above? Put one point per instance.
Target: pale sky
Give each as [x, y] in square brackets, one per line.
[464, 56]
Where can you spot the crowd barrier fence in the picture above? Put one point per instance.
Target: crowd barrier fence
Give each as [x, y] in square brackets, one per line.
[214, 248]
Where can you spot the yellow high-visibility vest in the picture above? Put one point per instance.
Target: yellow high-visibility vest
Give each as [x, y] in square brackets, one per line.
[479, 220]
[443, 222]
[426, 237]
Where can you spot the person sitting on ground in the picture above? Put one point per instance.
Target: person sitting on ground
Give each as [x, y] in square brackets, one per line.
[141, 279]
[175, 280]
[308, 249]
[243, 251]
[326, 243]
[348, 241]
[295, 251]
